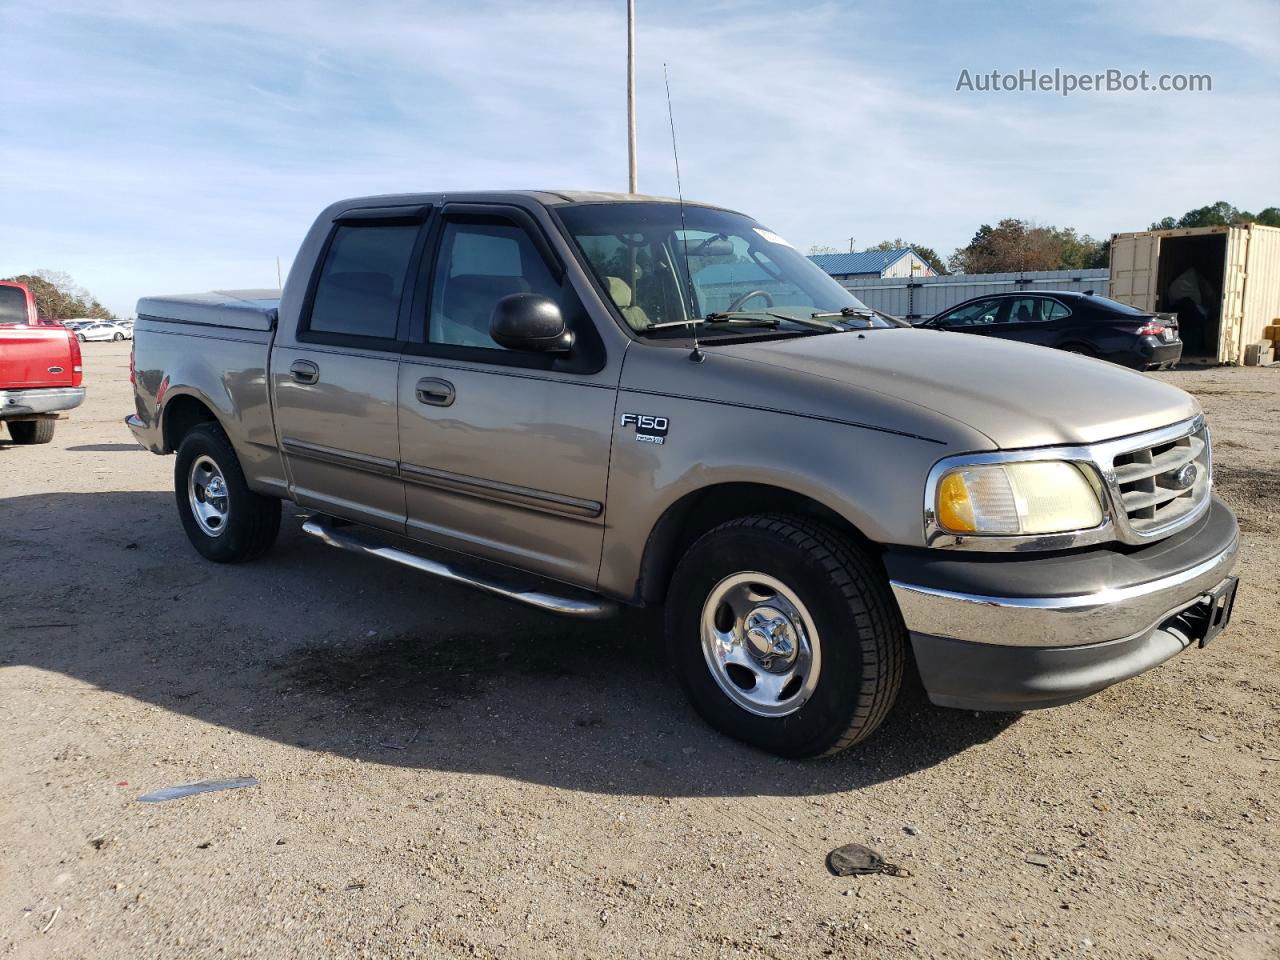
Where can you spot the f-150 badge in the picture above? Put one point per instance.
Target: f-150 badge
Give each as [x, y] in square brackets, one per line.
[648, 429]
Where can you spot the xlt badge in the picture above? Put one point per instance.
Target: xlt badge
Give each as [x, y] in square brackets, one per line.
[649, 429]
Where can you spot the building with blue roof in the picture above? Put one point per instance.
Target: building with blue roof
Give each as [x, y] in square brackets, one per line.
[903, 262]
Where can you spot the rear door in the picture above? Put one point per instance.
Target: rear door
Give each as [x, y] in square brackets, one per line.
[1232, 323]
[335, 383]
[1135, 261]
[504, 454]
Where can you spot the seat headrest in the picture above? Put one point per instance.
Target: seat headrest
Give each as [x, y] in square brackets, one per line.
[619, 291]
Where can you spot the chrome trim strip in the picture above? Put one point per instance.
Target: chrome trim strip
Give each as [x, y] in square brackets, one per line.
[1097, 617]
[492, 490]
[499, 492]
[341, 458]
[587, 607]
[1098, 462]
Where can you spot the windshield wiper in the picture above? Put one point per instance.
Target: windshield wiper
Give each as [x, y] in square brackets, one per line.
[813, 323]
[847, 313]
[715, 318]
[749, 318]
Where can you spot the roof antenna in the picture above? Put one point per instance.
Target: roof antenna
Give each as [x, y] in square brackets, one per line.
[697, 356]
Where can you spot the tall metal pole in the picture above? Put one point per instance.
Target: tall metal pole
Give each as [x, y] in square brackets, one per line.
[632, 182]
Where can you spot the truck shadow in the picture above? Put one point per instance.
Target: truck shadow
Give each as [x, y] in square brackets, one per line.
[324, 651]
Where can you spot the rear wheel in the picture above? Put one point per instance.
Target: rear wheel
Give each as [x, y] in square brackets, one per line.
[784, 635]
[225, 520]
[118, 336]
[31, 431]
[80, 337]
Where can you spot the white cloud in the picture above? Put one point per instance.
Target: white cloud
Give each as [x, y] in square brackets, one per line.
[186, 146]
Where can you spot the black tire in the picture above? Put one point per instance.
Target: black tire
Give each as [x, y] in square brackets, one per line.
[31, 431]
[1081, 349]
[860, 632]
[80, 337]
[117, 337]
[251, 520]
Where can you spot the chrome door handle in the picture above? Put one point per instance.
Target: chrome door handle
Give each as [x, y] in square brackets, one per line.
[438, 393]
[304, 371]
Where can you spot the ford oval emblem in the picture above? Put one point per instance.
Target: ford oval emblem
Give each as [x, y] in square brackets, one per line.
[1185, 475]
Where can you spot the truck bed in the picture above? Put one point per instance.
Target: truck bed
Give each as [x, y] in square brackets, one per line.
[233, 309]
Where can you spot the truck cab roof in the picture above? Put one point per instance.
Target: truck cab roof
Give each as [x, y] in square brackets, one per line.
[547, 198]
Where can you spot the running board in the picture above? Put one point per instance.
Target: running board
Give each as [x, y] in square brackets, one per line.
[584, 606]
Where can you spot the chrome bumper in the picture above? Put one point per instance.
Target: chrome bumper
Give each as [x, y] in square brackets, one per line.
[39, 400]
[1067, 621]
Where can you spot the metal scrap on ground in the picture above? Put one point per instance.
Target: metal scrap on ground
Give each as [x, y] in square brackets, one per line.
[190, 789]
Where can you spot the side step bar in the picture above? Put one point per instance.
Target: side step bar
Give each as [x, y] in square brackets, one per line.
[583, 606]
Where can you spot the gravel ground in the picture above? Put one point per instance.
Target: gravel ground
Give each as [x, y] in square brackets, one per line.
[444, 774]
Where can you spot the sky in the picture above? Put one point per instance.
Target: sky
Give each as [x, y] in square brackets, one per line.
[151, 147]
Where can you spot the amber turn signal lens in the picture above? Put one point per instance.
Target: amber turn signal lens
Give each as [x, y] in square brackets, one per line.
[955, 510]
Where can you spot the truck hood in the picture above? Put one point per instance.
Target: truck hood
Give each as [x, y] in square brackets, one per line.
[1016, 394]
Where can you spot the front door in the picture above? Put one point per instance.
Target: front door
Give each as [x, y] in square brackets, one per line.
[504, 454]
[1021, 319]
[334, 382]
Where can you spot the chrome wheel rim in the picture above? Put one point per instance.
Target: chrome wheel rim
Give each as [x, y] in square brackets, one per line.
[760, 644]
[207, 491]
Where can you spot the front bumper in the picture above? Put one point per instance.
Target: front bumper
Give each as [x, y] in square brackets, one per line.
[39, 401]
[1004, 632]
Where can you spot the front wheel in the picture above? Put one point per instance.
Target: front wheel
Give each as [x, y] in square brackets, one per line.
[80, 337]
[225, 520]
[118, 337]
[784, 634]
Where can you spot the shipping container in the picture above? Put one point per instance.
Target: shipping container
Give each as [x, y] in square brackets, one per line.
[1222, 282]
[919, 297]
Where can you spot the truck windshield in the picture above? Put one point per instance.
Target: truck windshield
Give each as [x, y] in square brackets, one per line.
[719, 266]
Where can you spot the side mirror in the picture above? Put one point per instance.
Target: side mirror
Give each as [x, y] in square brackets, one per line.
[528, 321]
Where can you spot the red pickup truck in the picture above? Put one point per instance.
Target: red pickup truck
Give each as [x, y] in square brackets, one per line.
[40, 367]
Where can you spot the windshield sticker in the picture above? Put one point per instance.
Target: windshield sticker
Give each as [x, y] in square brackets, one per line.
[772, 237]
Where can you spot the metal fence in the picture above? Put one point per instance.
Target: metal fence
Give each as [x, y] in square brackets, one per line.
[918, 297]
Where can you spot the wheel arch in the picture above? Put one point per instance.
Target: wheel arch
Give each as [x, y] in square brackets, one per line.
[700, 511]
[180, 414]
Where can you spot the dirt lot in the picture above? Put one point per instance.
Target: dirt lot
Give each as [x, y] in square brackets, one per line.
[444, 774]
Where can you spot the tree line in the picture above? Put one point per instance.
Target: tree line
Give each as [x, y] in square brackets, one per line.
[58, 297]
[1015, 245]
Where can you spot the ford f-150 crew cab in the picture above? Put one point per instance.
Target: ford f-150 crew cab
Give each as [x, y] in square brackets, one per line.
[582, 400]
[40, 368]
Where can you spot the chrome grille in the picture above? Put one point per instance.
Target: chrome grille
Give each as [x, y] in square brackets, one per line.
[1155, 485]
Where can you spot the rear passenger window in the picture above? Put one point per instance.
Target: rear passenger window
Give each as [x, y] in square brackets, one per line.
[1053, 310]
[358, 293]
[478, 265]
[1024, 310]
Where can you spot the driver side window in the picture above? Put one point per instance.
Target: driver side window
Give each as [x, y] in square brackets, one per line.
[980, 313]
[478, 265]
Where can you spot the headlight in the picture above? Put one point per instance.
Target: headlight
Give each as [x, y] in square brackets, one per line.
[1033, 497]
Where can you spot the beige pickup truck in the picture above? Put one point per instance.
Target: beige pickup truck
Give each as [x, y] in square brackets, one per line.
[580, 401]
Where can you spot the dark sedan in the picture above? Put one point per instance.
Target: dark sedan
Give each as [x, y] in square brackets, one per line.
[1078, 322]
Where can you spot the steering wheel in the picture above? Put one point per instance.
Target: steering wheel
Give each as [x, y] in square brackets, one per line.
[739, 301]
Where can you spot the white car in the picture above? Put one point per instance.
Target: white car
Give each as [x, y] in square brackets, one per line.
[104, 331]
